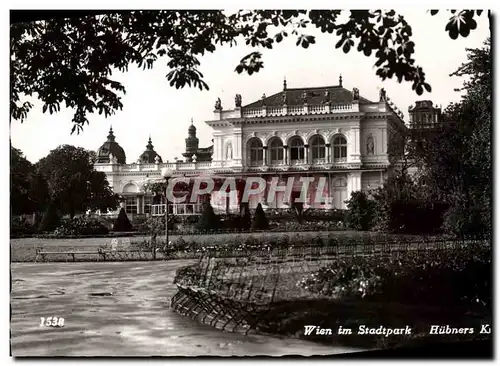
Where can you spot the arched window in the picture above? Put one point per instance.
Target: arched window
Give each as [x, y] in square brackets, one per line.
[317, 147]
[130, 188]
[256, 152]
[276, 148]
[296, 149]
[339, 148]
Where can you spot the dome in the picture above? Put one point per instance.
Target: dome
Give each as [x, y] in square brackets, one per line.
[149, 156]
[111, 147]
[192, 130]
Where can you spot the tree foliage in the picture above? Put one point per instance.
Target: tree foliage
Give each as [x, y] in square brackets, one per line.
[50, 219]
[459, 157]
[28, 190]
[73, 184]
[122, 222]
[69, 61]
[208, 219]
[260, 221]
[359, 211]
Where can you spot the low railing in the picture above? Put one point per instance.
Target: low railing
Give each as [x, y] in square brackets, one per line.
[180, 209]
[296, 109]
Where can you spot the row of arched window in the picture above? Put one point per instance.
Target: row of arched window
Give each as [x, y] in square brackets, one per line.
[297, 151]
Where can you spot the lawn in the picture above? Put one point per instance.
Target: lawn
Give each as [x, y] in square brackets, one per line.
[24, 249]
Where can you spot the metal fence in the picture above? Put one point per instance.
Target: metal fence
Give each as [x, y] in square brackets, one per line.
[232, 292]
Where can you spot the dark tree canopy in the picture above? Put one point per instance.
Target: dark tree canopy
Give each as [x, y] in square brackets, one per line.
[454, 186]
[459, 158]
[70, 61]
[208, 219]
[73, 183]
[260, 221]
[28, 190]
[122, 222]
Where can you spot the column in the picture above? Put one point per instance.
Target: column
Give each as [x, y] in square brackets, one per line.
[384, 140]
[306, 154]
[218, 148]
[237, 146]
[265, 155]
[285, 155]
[139, 205]
[353, 183]
[328, 153]
[355, 154]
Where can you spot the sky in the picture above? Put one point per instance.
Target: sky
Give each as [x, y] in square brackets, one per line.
[152, 107]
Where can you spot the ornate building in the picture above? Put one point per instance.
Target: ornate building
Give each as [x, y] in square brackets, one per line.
[193, 152]
[424, 115]
[111, 151]
[326, 132]
[150, 155]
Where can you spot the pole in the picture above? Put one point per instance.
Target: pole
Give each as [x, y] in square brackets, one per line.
[166, 216]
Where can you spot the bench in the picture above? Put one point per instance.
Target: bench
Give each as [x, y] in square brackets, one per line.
[73, 253]
[102, 253]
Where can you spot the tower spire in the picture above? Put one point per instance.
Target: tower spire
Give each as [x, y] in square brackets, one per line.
[149, 146]
[111, 136]
[340, 80]
[284, 83]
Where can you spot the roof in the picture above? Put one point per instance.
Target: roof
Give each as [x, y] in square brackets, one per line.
[111, 146]
[149, 155]
[423, 105]
[316, 95]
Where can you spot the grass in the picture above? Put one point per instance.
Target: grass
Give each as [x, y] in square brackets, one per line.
[24, 249]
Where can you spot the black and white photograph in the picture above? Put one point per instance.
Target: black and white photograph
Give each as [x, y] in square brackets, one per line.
[237, 183]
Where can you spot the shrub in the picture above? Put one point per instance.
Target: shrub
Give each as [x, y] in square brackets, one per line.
[81, 226]
[189, 275]
[260, 220]
[21, 226]
[208, 219]
[416, 217]
[50, 220]
[359, 211]
[156, 224]
[245, 219]
[122, 222]
[439, 278]
[466, 221]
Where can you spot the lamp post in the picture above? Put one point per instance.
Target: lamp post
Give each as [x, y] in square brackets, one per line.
[167, 174]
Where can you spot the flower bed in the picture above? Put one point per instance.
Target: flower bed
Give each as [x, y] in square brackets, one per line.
[81, 226]
[451, 277]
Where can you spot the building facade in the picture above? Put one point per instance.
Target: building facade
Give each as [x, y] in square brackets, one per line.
[328, 134]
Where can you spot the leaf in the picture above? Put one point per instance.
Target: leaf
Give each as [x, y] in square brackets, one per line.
[346, 47]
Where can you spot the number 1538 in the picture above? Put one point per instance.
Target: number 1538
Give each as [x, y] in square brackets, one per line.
[52, 321]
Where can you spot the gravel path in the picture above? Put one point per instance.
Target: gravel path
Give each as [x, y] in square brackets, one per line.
[122, 309]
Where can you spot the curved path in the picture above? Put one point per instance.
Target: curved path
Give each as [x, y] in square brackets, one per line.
[122, 309]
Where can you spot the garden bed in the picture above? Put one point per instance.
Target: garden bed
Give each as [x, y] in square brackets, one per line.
[414, 290]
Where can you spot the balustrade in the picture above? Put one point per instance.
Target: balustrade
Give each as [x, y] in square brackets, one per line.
[297, 109]
[181, 209]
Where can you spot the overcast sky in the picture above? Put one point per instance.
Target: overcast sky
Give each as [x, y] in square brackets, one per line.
[152, 107]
